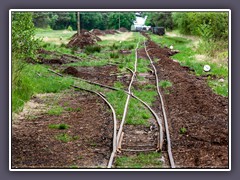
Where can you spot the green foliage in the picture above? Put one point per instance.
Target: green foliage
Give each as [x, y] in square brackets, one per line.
[161, 19]
[58, 126]
[41, 19]
[142, 160]
[23, 44]
[208, 24]
[126, 19]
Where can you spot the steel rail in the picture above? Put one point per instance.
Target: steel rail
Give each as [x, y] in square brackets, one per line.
[163, 110]
[128, 97]
[114, 120]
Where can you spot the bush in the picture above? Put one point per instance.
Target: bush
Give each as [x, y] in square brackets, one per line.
[69, 28]
[215, 22]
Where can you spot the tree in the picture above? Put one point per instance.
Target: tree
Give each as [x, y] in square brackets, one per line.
[126, 19]
[163, 19]
[23, 43]
[41, 19]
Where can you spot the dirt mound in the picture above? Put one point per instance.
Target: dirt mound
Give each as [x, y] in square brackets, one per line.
[71, 70]
[123, 29]
[111, 31]
[155, 51]
[98, 32]
[82, 40]
[191, 104]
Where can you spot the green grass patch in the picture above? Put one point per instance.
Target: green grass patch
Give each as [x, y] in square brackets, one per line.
[165, 84]
[64, 137]
[56, 111]
[142, 160]
[73, 109]
[35, 79]
[137, 114]
[58, 126]
[92, 49]
[220, 88]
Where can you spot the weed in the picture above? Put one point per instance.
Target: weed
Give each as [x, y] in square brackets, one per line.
[165, 84]
[58, 126]
[66, 138]
[183, 130]
[55, 111]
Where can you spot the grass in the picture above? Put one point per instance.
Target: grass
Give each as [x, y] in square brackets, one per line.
[37, 79]
[187, 57]
[54, 36]
[58, 126]
[56, 111]
[142, 160]
[139, 117]
[64, 137]
[73, 109]
[91, 49]
[165, 84]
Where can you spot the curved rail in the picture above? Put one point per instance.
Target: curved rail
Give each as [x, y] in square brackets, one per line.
[128, 97]
[114, 120]
[163, 110]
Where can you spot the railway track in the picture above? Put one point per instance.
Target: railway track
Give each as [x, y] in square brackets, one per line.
[118, 135]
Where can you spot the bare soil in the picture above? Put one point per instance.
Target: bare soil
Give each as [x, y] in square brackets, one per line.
[34, 144]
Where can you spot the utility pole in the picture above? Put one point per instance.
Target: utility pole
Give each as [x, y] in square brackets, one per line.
[78, 23]
[119, 22]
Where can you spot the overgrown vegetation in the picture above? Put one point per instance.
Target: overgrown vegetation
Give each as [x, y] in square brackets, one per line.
[37, 79]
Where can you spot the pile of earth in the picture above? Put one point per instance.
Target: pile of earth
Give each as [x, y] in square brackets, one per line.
[84, 39]
[123, 29]
[97, 32]
[155, 51]
[111, 31]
